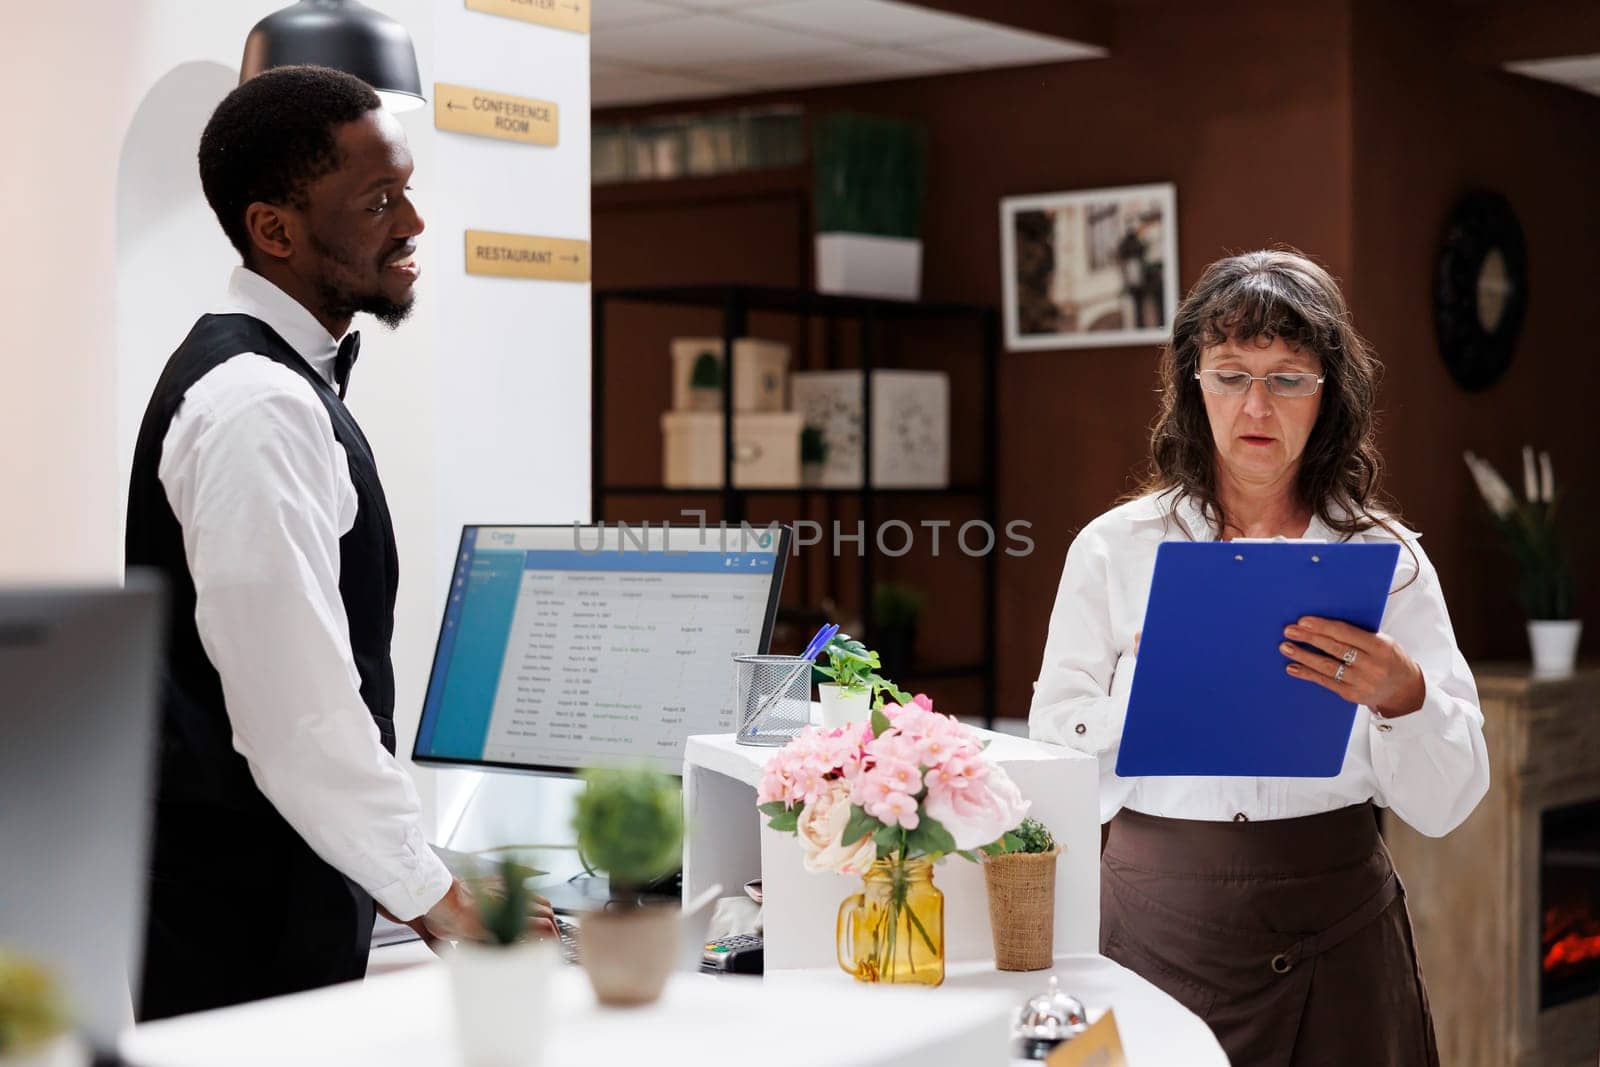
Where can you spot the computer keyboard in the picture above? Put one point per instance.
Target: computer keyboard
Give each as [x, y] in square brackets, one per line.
[568, 929]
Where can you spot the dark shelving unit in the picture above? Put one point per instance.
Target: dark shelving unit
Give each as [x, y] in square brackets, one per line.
[735, 303]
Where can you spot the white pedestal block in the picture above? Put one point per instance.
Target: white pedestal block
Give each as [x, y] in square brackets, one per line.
[728, 843]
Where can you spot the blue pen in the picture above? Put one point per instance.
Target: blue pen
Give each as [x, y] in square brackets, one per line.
[819, 642]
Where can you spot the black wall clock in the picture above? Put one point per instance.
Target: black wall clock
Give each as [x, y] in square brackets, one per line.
[1480, 292]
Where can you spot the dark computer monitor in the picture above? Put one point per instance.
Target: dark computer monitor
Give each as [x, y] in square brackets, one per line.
[564, 647]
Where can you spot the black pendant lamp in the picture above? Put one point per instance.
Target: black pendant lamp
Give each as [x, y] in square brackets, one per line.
[344, 35]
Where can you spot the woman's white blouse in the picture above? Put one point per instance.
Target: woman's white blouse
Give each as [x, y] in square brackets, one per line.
[1430, 767]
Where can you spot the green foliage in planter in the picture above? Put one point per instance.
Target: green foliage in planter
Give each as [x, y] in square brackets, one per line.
[853, 667]
[706, 372]
[31, 1009]
[630, 823]
[895, 606]
[504, 903]
[813, 449]
[869, 174]
[1032, 836]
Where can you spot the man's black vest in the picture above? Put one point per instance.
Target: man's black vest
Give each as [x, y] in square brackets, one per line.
[198, 763]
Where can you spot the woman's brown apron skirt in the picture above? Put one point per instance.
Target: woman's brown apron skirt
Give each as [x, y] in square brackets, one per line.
[1290, 938]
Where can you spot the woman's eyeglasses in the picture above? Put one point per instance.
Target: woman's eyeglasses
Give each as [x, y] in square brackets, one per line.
[1237, 383]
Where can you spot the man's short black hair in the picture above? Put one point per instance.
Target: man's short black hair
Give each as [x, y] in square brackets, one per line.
[272, 137]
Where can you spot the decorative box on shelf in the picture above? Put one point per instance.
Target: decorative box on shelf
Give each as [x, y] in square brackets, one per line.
[766, 450]
[910, 426]
[760, 369]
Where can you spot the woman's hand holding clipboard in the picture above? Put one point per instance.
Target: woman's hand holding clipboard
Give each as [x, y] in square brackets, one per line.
[1361, 667]
[1211, 694]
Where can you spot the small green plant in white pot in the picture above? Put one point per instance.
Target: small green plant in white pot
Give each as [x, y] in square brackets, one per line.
[34, 1027]
[630, 825]
[499, 986]
[705, 383]
[853, 683]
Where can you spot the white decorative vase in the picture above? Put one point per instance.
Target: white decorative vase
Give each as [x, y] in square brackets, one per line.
[499, 994]
[1555, 646]
[861, 264]
[841, 707]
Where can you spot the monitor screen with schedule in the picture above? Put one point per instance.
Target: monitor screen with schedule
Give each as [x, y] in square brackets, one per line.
[563, 647]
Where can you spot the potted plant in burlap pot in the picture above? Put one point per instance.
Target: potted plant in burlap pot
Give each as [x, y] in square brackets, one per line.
[1019, 872]
[630, 825]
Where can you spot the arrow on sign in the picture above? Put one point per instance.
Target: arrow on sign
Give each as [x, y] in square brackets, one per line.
[573, 7]
[453, 106]
[568, 259]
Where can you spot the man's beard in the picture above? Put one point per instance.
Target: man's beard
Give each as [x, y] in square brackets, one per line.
[340, 301]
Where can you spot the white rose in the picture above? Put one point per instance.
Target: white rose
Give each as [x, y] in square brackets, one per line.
[981, 813]
[821, 825]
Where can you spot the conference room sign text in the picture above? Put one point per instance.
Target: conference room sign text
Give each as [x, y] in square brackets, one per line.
[460, 109]
[561, 14]
[513, 255]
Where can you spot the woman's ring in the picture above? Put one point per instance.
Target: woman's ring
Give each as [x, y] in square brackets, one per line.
[1349, 657]
[1338, 675]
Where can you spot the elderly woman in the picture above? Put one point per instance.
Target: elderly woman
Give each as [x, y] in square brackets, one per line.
[1268, 906]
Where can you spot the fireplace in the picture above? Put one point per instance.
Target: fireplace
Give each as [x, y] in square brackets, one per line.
[1507, 906]
[1569, 903]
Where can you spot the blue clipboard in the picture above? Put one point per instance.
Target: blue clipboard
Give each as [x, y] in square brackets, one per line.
[1210, 695]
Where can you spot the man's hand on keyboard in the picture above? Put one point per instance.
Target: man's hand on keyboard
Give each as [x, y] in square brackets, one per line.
[455, 917]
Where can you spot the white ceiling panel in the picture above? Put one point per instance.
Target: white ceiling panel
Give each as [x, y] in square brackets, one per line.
[722, 5]
[647, 50]
[879, 23]
[1579, 72]
[835, 68]
[701, 39]
[611, 13]
[1009, 48]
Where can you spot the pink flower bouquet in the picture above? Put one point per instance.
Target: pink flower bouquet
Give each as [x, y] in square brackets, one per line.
[913, 783]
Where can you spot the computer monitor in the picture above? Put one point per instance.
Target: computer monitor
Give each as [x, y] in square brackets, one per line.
[564, 647]
[80, 673]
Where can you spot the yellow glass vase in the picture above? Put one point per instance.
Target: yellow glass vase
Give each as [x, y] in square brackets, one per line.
[893, 930]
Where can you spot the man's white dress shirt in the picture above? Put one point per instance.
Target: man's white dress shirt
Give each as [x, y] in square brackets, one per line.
[263, 493]
[1430, 767]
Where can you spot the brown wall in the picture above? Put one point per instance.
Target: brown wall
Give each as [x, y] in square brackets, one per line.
[1251, 108]
[1428, 128]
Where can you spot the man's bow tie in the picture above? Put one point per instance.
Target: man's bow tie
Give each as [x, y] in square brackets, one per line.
[349, 348]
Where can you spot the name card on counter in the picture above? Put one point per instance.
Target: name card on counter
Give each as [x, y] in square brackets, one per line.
[1098, 1046]
[485, 114]
[562, 14]
[515, 255]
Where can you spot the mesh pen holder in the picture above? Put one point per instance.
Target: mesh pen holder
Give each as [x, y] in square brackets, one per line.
[774, 699]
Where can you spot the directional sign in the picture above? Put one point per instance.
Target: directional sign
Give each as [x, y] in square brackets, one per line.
[515, 255]
[486, 114]
[562, 14]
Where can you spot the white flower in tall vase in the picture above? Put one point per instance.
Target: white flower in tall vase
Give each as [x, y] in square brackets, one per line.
[1545, 584]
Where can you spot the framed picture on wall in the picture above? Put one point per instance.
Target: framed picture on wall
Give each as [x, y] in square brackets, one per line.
[1089, 269]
